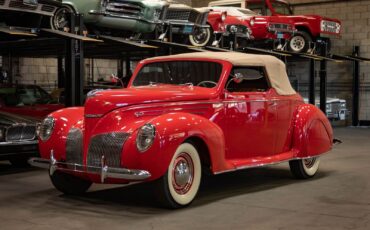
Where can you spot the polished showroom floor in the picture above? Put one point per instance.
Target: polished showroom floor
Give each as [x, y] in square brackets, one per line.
[265, 198]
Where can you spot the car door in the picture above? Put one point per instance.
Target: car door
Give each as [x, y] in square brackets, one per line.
[249, 114]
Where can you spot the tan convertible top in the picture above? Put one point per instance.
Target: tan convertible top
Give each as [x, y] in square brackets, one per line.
[275, 68]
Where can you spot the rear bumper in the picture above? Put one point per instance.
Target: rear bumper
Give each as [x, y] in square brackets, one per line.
[103, 171]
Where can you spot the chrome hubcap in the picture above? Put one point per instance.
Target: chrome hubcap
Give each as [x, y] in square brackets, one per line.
[297, 43]
[60, 19]
[182, 173]
[309, 163]
[200, 35]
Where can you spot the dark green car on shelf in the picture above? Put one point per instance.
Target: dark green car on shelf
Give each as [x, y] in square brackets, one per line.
[134, 16]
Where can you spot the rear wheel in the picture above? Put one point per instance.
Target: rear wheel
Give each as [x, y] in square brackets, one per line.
[201, 36]
[180, 184]
[305, 168]
[300, 42]
[60, 20]
[68, 184]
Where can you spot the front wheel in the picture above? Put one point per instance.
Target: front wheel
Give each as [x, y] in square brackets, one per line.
[68, 184]
[60, 20]
[180, 184]
[300, 42]
[201, 37]
[305, 168]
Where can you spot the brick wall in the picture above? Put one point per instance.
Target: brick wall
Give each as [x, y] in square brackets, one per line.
[44, 71]
[355, 19]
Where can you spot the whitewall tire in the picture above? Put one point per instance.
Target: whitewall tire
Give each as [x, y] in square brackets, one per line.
[201, 37]
[304, 168]
[180, 184]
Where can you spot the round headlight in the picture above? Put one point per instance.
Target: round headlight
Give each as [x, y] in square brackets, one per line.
[46, 128]
[223, 16]
[252, 22]
[145, 137]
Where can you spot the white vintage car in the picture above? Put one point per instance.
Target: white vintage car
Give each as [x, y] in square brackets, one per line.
[336, 109]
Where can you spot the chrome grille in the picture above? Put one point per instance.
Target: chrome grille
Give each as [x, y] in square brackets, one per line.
[280, 27]
[124, 7]
[21, 133]
[48, 8]
[183, 15]
[74, 146]
[110, 145]
[20, 5]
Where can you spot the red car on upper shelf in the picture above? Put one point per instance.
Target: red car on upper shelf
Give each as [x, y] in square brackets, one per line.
[27, 100]
[247, 25]
[180, 116]
[311, 28]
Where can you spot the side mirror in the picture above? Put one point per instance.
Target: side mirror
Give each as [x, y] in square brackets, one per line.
[238, 78]
[117, 79]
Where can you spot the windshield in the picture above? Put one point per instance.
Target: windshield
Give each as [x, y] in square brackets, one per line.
[247, 12]
[197, 73]
[282, 8]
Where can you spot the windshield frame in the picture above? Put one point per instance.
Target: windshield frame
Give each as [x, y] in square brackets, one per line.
[223, 64]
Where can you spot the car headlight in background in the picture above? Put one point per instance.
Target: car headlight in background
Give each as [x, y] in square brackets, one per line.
[145, 137]
[46, 128]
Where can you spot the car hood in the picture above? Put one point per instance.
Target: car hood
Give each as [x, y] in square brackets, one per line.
[102, 102]
[300, 18]
[8, 119]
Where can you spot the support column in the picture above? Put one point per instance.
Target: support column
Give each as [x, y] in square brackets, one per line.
[323, 79]
[74, 63]
[311, 90]
[356, 88]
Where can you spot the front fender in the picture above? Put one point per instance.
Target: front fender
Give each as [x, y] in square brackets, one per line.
[171, 130]
[64, 120]
[313, 134]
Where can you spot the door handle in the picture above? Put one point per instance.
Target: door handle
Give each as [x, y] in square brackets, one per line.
[272, 103]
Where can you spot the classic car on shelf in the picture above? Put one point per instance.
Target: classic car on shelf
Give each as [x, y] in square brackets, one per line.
[247, 25]
[131, 17]
[27, 13]
[27, 100]
[18, 139]
[336, 109]
[182, 115]
[311, 28]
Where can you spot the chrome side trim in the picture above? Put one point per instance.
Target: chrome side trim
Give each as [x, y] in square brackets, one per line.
[93, 115]
[19, 143]
[266, 164]
[104, 171]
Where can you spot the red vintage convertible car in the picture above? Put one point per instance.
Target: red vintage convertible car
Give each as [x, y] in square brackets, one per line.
[246, 24]
[182, 115]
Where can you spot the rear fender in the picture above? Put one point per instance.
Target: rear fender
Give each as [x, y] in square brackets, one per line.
[313, 134]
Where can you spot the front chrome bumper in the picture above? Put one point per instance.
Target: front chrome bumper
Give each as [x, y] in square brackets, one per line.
[123, 16]
[104, 171]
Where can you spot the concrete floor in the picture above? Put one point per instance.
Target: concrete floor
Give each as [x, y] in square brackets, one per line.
[265, 198]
